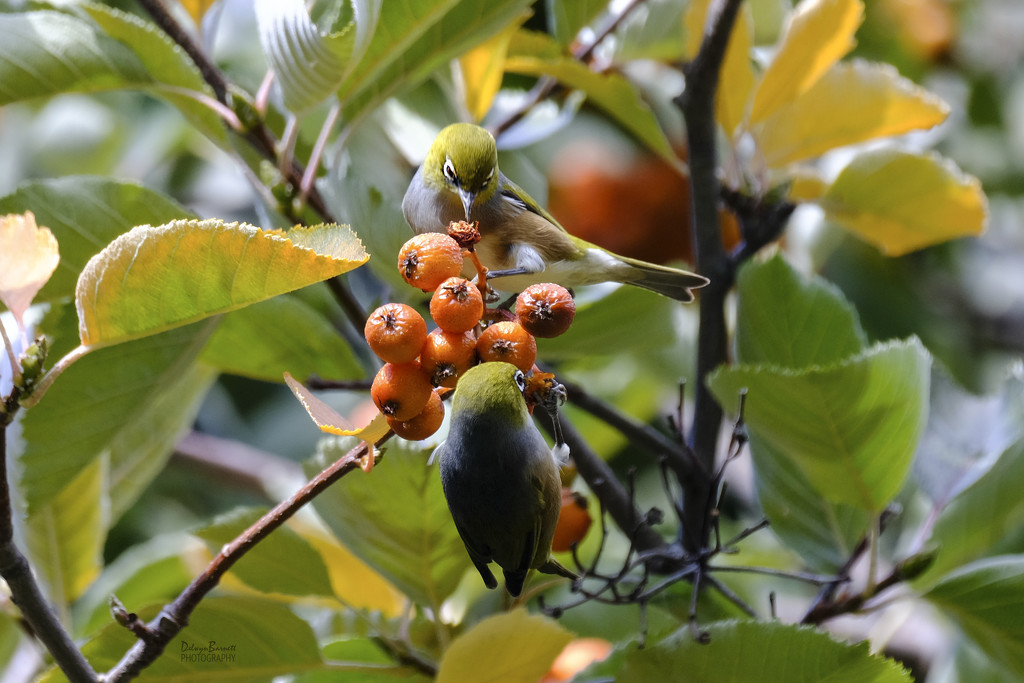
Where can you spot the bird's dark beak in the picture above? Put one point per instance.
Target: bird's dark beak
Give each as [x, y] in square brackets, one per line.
[468, 199]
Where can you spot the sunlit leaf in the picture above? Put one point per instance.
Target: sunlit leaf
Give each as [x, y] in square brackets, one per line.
[514, 646]
[397, 521]
[482, 70]
[986, 599]
[65, 538]
[537, 54]
[283, 562]
[852, 102]
[852, 426]
[305, 66]
[85, 213]
[283, 334]
[819, 33]
[155, 278]
[28, 256]
[901, 201]
[331, 421]
[742, 651]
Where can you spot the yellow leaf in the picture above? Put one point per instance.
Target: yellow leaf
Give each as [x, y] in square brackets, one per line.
[352, 579]
[482, 69]
[805, 185]
[695, 20]
[197, 8]
[819, 33]
[901, 201]
[852, 102]
[514, 646]
[152, 279]
[331, 421]
[28, 257]
[737, 76]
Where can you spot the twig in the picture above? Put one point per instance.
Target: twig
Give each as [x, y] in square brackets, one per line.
[697, 103]
[174, 617]
[25, 592]
[602, 481]
[12, 357]
[548, 86]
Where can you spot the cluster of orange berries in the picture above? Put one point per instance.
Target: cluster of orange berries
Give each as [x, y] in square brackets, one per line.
[419, 366]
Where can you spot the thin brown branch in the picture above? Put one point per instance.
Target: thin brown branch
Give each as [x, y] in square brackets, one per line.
[25, 592]
[174, 617]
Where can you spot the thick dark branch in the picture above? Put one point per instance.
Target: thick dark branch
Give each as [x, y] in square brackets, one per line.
[614, 497]
[25, 592]
[697, 103]
[174, 617]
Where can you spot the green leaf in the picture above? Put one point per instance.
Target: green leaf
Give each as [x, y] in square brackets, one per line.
[982, 515]
[742, 651]
[303, 62]
[229, 639]
[85, 213]
[536, 54]
[822, 532]
[165, 62]
[567, 17]
[48, 53]
[283, 334]
[791, 322]
[153, 279]
[851, 426]
[412, 40]
[396, 520]
[129, 402]
[283, 562]
[154, 571]
[901, 201]
[514, 646]
[65, 538]
[986, 599]
[597, 328]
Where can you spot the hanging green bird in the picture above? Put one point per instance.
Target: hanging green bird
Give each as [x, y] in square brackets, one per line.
[500, 477]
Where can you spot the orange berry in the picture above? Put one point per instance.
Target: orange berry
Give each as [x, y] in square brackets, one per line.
[427, 260]
[573, 522]
[509, 342]
[466, 234]
[545, 309]
[401, 390]
[423, 425]
[395, 332]
[577, 656]
[446, 355]
[456, 305]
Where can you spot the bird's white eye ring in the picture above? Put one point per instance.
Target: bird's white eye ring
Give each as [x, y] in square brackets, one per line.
[449, 170]
[520, 380]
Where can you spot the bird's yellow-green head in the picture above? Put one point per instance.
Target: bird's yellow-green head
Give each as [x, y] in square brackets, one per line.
[464, 160]
[494, 389]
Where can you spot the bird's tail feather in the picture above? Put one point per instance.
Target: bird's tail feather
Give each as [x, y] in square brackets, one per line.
[671, 282]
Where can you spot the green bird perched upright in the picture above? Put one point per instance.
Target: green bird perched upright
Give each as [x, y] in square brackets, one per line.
[520, 241]
[500, 477]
